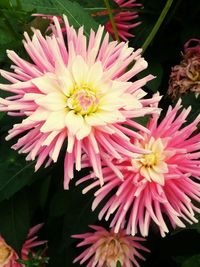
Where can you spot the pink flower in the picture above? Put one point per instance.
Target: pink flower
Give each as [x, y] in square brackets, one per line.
[8, 255]
[185, 77]
[164, 183]
[75, 91]
[123, 19]
[106, 248]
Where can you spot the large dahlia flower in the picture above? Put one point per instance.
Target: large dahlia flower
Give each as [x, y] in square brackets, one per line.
[106, 248]
[8, 255]
[159, 185]
[75, 91]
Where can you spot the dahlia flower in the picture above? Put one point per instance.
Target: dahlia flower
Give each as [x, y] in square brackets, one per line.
[77, 92]
[161, 184]
[123, 19]
[185, 77]
[106, 248]
[8, 255]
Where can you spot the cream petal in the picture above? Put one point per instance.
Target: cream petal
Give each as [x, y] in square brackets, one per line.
[161, 167]
[110, 117]
[73, 122]
[157, 146]
[48, 83]
[130, 102]
[155, 176]
[55, 121]
[84, 131]
[145, 174]
[53, 101]
[79, 70]
[40, 114]
[95, 74]
[94, 120]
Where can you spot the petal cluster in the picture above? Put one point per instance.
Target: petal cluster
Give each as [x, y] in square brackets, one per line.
[161, 187]
[8, 255]
[79, 92]
[106, 248]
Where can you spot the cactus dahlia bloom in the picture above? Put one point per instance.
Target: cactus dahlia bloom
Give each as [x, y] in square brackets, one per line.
[185, 77]
[8, 255]
[106, 248]
[123, 19]
[75, 91]
[161, 184]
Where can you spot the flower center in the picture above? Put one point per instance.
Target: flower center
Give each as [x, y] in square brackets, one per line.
[5, 252]
[152, 166]
[111, 251]
[83, 100]
[149, 160]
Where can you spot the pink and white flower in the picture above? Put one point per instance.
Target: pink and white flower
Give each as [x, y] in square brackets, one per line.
[161, 184]
[8, 255]
[106, 248]
[79, 92]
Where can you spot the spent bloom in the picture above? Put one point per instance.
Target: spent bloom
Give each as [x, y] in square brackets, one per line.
[75, 91]
[8, 255]
[159, 185]
[185, 77]
[106, 248]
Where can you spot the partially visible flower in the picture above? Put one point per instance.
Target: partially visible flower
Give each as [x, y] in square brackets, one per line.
[8, 255]
[123, 19]
[185, 77]
[76, 91]
[106, 248]
[161, 184]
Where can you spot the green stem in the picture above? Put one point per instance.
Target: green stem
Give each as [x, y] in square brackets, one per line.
[157, 25]
[107, 4]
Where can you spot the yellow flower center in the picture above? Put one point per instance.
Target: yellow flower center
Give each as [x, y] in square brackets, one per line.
[149, 160]
[5, 252]
[83, 100]
[152, 166]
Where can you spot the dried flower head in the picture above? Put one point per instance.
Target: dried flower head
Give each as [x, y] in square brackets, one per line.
[185, 77]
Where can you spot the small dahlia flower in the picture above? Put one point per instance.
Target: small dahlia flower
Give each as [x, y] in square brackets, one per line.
[123, 19]
[8, 255]
[75, 91]
[161, 184]
[106, 248]
[185, 77]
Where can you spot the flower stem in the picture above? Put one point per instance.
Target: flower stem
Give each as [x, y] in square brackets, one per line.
[107, 4]
[157, 25]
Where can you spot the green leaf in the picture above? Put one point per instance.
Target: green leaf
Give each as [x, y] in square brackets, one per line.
[15, 220]
[118, 264]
